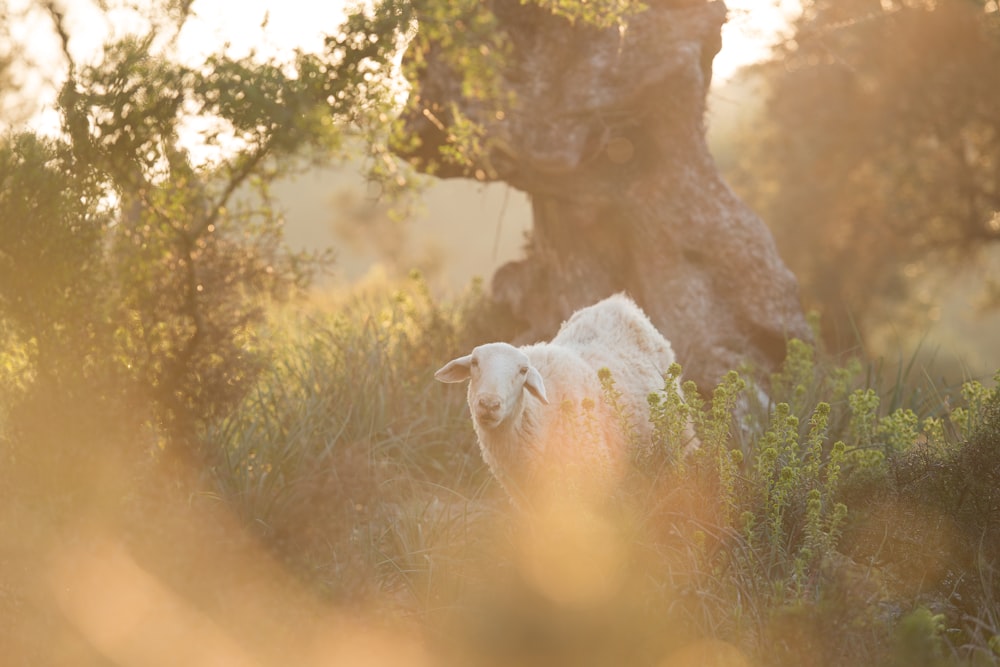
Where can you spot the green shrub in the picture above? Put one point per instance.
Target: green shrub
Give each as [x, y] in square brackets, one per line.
[783, 525]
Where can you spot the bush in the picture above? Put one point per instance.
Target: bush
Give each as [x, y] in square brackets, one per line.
[796, 532]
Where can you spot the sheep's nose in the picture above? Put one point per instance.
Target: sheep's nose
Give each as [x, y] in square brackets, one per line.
[488, 405]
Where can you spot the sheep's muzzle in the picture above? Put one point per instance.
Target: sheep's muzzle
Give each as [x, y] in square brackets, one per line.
[487, 409]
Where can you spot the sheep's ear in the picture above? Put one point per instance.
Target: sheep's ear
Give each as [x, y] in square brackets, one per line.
[456, 370]
[534, 384]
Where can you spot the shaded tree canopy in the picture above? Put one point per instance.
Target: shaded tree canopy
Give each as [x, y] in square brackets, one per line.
[876, 155]
[602, 125]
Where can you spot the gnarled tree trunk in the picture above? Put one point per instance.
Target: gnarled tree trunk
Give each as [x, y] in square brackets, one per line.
[605, 133]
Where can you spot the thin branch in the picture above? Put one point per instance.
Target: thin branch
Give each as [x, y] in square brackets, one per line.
[236, 179]
[58, 19]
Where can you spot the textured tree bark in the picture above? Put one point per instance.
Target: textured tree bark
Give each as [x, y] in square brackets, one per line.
[605, 132]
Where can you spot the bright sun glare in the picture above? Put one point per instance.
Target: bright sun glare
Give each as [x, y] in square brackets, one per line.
[752, 28]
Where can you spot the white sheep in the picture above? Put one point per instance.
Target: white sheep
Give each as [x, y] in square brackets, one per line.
[540, 412]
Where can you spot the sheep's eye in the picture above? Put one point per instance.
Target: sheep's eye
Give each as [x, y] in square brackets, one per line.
[474, 363]
[524, 370]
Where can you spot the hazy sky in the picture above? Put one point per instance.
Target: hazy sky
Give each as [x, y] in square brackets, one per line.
[746, 37]
[272, 26]
[752, 27]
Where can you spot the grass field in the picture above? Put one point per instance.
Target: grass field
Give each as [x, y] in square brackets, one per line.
[346, 517]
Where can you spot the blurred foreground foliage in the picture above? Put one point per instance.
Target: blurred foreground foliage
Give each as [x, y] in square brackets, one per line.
[845, 521]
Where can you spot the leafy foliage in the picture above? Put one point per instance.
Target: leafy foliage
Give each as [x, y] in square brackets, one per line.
[602, 13]
[775, 524]
[51, 227]
[878, 130]
[121, 245]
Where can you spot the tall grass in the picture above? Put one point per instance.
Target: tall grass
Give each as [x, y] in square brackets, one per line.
[347, 453]
[792, 536]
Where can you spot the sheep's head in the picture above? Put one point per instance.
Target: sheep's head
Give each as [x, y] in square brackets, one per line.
[498, 375]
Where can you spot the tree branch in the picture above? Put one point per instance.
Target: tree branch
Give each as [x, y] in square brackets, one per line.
[58, 20]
